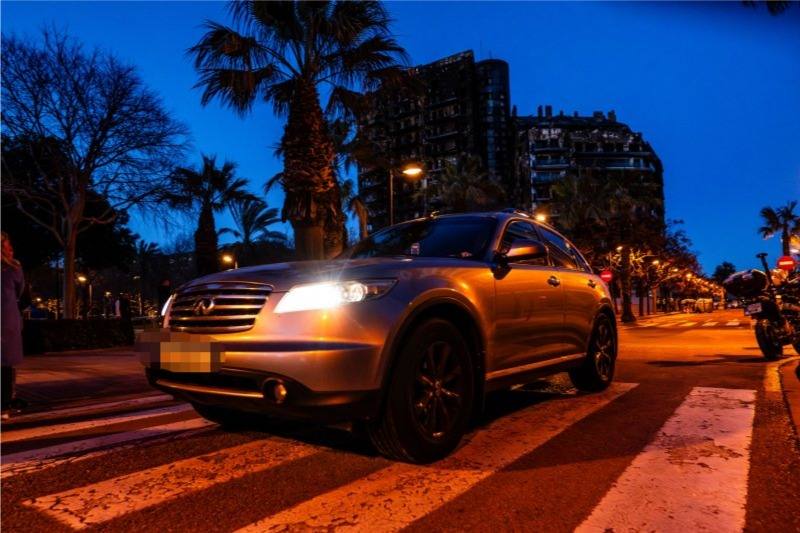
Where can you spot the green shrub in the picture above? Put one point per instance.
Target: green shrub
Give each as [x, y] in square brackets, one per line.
[40, 336]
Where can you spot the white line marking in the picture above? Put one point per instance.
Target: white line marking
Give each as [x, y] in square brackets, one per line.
[91, 408]
[394, 497]
[50, 431]
[732, 323]
[689, 324]
[693, 476]
[100, 502]
[72, 452]
[710, 324]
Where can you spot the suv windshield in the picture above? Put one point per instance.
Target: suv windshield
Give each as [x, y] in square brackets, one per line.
[462, 237]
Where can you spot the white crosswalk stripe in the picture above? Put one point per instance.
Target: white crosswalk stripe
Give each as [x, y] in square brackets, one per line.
[50, 456]
[694, 471]
[693, 476]
[104, 501]
[396, 496]
[49, 431]
[690, 324]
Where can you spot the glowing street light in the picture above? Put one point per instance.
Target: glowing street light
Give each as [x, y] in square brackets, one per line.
[541, 217]
[229, 259]
[412, 170]
[82, 278]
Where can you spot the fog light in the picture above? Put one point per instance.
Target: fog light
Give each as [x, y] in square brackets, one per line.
[276, 391]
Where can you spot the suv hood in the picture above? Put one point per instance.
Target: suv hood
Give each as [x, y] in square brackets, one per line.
[283, 276]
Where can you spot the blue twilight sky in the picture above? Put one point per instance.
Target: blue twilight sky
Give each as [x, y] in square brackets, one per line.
[714, 87]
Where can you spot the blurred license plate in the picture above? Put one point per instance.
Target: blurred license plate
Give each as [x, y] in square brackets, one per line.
[190, 357]
[753, 309]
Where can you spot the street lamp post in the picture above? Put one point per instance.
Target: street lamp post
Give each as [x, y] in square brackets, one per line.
[412, 170]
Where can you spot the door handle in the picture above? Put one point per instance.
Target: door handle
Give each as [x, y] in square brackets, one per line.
[554, 281]
[592, 284]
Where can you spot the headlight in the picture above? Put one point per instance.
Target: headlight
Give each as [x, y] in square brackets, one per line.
[332, 294]
[167, 304]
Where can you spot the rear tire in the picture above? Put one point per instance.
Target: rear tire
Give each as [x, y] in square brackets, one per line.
[768, 341]
[597, 371]
[229, 418]
[430, 397]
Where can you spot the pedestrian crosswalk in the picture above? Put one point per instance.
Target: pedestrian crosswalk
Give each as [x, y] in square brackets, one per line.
[683, 324]
[693, 471]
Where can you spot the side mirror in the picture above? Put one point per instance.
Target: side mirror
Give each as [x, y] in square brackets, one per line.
[525, 250]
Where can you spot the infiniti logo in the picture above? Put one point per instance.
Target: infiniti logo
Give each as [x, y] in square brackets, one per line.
[203, 306]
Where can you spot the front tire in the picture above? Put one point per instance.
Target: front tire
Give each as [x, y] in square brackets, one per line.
[768, 340]
[430, 396]
[597, 371]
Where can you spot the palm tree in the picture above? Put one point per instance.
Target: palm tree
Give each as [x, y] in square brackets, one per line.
[285, 52]
[252, 218]
[465, 186]
[355, 205]
[206, 190]
[782, 220]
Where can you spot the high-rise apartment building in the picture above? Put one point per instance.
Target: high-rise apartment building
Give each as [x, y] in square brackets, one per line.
[463, 111]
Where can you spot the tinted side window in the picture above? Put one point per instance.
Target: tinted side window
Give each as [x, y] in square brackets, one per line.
[561, 251]
[519, 229]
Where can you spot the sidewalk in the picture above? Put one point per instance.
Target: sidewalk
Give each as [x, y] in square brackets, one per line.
[53, 378]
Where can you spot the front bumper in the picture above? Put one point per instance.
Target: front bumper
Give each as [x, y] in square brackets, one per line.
[244, 391]
[325, 380]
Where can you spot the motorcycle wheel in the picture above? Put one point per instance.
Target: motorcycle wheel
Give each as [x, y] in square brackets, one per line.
[768, 340]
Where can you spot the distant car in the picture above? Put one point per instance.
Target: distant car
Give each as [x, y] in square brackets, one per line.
[406, 331]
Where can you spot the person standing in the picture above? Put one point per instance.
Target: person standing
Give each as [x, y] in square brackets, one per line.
[13, 287]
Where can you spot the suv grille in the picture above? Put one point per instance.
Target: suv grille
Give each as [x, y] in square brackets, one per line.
[221, 307]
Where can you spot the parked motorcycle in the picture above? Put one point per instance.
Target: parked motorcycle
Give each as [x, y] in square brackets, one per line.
[774, 305]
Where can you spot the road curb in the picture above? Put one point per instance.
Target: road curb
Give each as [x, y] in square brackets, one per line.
[789, 376]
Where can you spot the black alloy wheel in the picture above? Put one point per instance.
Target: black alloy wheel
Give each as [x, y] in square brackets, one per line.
[430, 395]
[438, 391]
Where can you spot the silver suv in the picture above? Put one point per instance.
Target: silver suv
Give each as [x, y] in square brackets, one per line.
[406, 331]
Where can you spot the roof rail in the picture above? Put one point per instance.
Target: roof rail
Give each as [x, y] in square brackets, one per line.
[516, 211]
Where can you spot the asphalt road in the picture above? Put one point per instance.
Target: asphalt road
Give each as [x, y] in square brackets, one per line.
[695, 435]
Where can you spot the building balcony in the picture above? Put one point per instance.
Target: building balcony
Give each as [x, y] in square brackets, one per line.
[552, 163]
[545, 149]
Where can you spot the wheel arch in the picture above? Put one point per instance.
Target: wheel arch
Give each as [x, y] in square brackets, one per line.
[465, 320]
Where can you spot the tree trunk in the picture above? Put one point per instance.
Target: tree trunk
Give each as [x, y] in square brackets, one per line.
[625, 287]
[205, 243]
[640, 292]
[70, 250]
[308, 241]
[785, 238]
[334, 227]
[312, 198]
